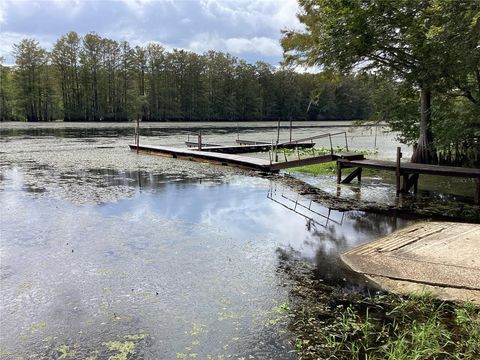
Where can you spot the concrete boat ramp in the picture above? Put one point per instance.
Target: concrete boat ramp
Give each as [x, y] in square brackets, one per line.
[438, 257]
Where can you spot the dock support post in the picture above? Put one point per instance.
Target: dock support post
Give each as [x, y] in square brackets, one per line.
[339, 172]
[137, 133]
[409, 181]
[357, 173]
[397, 170]
[199, 140]
[290, 130]
[477, 191]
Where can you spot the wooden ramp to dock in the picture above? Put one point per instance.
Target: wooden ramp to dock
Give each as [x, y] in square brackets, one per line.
[433, 256]
[237, 160]
[245, 148]
[408, 171]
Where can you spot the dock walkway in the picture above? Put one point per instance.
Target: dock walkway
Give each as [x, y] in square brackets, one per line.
[433, 256]
[409, 171]
[238, 160]
[212, 157]
[243, 147]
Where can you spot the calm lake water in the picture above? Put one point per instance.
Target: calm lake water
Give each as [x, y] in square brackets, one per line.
[105, 252]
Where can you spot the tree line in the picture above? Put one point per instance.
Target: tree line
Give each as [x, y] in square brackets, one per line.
[424, 55]
[92, 78]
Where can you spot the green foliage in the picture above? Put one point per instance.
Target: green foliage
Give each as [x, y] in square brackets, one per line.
[34, 81]
[422, 47]
[389, 327]
[92, 78]
[7, 102]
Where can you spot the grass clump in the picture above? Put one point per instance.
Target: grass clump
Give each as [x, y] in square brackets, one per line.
[388, 327]
[328, 168]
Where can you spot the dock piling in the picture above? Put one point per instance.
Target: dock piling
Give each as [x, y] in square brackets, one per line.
[397, 170]
[477, 191]
[137, 133]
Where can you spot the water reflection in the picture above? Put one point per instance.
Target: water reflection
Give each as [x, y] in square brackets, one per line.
[129, 131]
[331, 233]
[307, 211]
[192, 264]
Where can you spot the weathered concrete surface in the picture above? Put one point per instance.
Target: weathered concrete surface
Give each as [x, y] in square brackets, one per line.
[440, 257]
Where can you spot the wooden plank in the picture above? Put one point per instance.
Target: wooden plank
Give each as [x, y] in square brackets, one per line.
[349, 156]
[195, 144]
[195, 155]
[414, 168]
[241, 149]
[357, 173]
[250, 142]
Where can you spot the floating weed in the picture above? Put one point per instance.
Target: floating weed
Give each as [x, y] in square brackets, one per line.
[92, 356]
[123, 349]
[38, 326]
[26, 286]
[104, 272]
[64, 352]
[181, 356]
[198, 329]
[118, 317]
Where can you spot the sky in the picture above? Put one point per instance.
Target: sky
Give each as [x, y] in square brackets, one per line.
[248, 29]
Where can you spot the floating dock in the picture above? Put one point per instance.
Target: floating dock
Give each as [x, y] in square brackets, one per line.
[205, 156]
[237, 160]
[246, 148]
[438, 257]
[226, 155]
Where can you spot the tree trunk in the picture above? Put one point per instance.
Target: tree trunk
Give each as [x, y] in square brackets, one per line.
[424, 151]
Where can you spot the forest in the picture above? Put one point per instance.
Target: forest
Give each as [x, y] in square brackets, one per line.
[92, 78]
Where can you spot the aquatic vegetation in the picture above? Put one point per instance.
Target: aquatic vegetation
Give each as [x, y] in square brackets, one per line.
[123, 349]
[39, 326]
[64, 352]
[198, 329]
[383, 326]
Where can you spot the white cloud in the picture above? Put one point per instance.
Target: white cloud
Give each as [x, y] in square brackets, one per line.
[274, 14]
[3, 11]
[137, 6]
[236, 45]
[8, 39]
[249, 29]
[259, 45]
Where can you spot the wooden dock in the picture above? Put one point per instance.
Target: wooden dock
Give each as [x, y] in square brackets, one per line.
[246, 148]
[433, 256]
[410, 172]
[205, 156]
[237, 160]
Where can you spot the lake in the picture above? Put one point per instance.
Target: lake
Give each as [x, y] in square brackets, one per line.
[108, 253]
